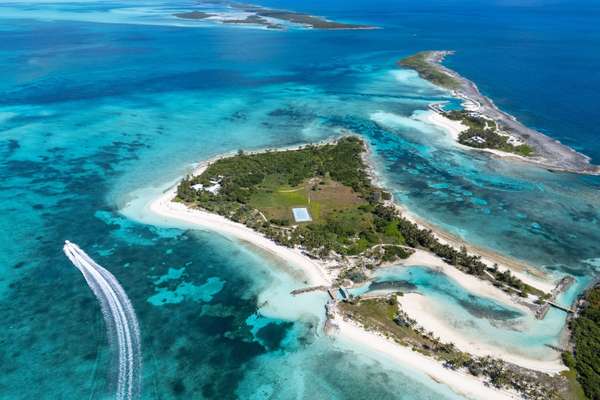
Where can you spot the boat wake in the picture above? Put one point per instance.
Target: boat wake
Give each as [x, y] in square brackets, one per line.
[121, 323]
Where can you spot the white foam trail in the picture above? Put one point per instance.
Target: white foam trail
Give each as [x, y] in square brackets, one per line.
[121, 323]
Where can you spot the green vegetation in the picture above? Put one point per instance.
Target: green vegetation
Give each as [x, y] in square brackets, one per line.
[260, 191]
[575, 391]
[507, 278]
[416, 237]
[481, 133]
[484, 133]
[585, 334]
[429, 70]
[272, 18]
[307, 20]
[350, 216]
[384, 316]
[294, 17]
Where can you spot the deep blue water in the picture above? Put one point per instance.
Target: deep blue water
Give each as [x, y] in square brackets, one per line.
[98, 111]
[534, 58]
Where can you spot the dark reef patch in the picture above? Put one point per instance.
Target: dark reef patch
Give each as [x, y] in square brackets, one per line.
[19, 265]
[271, 335]
[478, 310]
[51, 293]
[401, 285]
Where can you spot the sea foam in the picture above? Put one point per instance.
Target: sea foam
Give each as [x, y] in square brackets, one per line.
[121, 323]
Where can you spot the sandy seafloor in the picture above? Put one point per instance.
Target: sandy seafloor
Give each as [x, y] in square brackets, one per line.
[100, 108]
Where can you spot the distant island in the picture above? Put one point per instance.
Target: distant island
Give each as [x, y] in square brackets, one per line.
[482, 125]
[228, 12]
[317, 206]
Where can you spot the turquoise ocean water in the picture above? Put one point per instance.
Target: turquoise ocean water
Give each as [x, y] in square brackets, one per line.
[105, 104]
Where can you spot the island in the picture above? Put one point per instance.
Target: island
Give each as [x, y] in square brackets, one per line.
[320, 198]
[317, 206]
[482, 125]
[228, 12]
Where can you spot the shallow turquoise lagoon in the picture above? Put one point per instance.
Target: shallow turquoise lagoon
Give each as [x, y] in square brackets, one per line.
[478, 318]
[102, 111]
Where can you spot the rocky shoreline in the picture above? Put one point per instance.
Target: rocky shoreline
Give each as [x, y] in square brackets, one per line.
[549, 152]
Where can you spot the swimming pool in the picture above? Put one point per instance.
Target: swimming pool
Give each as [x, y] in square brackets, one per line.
[301, 214]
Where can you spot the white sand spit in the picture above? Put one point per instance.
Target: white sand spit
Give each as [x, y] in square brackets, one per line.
[460, 382]
[419, 308]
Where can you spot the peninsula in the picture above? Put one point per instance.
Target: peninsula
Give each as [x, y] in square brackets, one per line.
[231, 12]
[483, 125]
[317, 207]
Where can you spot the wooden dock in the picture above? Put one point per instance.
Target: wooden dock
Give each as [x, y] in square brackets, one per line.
[308, 289]
[555, 305]
[437, 107]
[331, 291]
[561, 286]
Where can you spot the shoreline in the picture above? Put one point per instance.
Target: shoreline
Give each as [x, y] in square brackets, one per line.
[550, 153]
[317, 274]
[316, 271]
[455, 128]
[165, 207]
[468, 282]
[256, 16]
[418, 307]
[461, 383]
[521, 270]
[527, 273]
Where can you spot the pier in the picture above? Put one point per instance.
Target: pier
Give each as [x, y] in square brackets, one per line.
[331, 291]
[308, 289]
[561, 286]
[565, 309]
[437, 107]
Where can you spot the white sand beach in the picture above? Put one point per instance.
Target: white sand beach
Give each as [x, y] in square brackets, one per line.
[455, 128]
[470, 283]
[460, 382]
[419, 308]
[316, 273]
[526, 273]
[165, 207]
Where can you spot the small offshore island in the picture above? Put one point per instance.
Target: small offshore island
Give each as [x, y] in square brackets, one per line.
[253, 15]
[482, 125]
[316, 206]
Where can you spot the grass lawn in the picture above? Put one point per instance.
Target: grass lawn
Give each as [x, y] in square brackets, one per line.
[576, 391]
[378, 315]
[321, 196]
